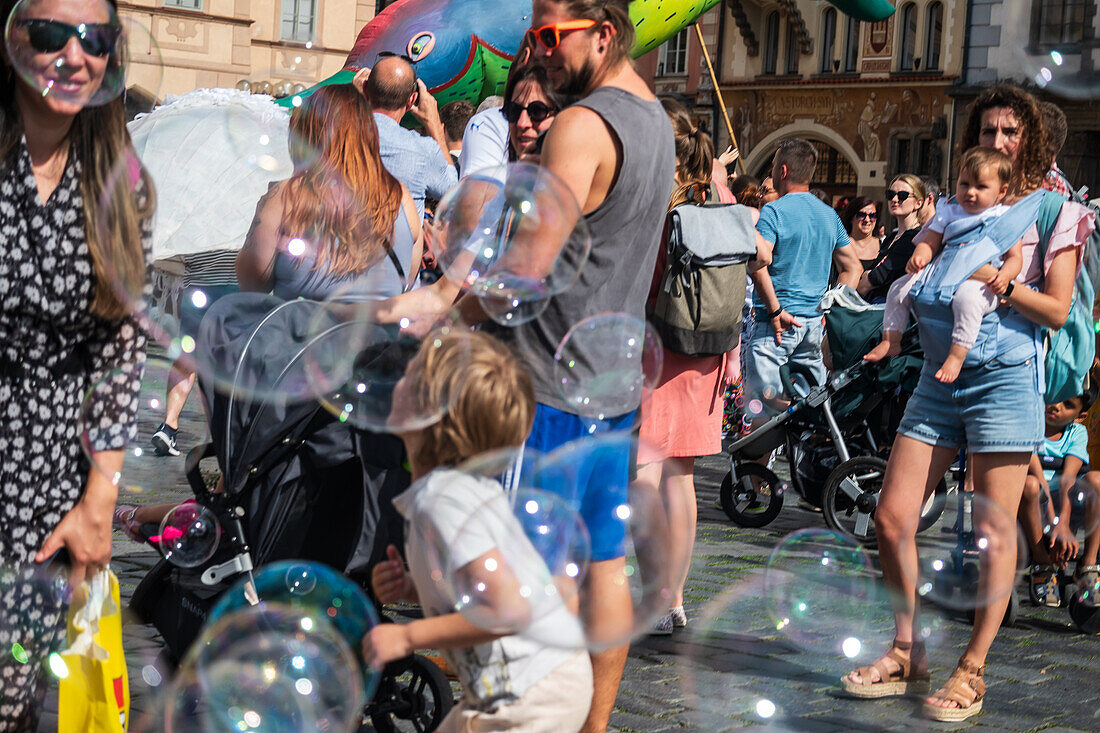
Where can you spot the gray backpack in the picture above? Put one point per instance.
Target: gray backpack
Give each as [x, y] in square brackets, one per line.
[697, 311]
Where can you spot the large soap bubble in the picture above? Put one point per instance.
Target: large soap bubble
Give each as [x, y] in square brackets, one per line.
[1049, 43]
[268, 667]
[359, 358]
[70, 51]
[106, 426]
[607, 364]
[512, 236]
[823, 595]
[189, 535]
[633, 526]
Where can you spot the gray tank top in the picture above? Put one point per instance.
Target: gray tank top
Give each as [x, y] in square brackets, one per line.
[626, 232]
[297, 277]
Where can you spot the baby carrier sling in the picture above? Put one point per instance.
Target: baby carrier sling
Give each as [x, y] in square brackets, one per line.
[1005, 335]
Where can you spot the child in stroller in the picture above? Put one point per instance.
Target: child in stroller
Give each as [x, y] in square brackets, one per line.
[298, 484]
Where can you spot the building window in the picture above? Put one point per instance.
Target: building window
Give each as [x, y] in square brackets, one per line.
[917, 155]
[851, 44]
[934, 37]
[832, 167]
[791, 67]
[187, 4]
[674, 56]
[298, 20]
[907, 31]
[771, 42]
[828, 41]
[1059, 23]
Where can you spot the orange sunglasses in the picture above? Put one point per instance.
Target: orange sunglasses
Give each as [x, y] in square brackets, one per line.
[549, 36]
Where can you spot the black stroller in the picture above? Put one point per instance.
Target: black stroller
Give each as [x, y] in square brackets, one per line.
[836, 434]
[298, 484]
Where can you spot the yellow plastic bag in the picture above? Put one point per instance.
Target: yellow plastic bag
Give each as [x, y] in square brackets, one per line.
[94, 690]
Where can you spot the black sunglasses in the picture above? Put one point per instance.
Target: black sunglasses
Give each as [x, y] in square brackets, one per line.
[864, 215]
[901, 196]
[50, 36]
[537, 111]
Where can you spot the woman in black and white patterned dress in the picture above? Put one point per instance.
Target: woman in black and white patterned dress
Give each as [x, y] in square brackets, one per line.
[70, 264]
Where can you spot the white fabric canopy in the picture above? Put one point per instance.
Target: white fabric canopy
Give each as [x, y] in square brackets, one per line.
[211, 154]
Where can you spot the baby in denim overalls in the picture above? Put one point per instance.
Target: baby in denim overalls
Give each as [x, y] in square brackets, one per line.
[984, 175]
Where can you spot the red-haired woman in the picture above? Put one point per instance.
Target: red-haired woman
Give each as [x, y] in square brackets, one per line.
[341, 224]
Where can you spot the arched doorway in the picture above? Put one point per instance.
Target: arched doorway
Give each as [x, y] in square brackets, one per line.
[834, 174]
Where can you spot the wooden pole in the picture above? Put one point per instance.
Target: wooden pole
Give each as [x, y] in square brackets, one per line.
[721, 102]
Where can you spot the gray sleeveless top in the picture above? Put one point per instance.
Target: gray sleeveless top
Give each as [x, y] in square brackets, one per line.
[297, 277]
[626, 232]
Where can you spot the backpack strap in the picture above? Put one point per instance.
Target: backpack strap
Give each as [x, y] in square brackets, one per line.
[1049, 209]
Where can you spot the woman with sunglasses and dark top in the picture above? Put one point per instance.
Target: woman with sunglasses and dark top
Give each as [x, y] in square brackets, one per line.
[904, 197]
[860, 220]
[73, 260]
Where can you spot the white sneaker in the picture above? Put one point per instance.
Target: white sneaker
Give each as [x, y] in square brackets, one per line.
[662, 626]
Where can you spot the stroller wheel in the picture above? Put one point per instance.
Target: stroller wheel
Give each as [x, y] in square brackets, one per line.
[851, 495]
[413, 695]
[756, 498]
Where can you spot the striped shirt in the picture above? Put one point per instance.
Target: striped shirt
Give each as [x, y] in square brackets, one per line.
[210, 268]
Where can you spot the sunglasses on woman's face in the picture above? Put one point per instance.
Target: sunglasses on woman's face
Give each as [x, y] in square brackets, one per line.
[901, 196]
[866, 216]
[549, 36]
[50, 36]
[537, 111]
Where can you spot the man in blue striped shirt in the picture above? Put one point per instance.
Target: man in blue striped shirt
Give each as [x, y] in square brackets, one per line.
[422, 164]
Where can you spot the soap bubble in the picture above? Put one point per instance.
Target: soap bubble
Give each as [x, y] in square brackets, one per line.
[951, 562]
[311, 589]
[636, 526]
[106, 425]
[268, 667]
[607, 364]
[1045, 42]
[189, 535]
[360, 358]
[71, 52]
[823, 593]
[534, 552]
[492, 233]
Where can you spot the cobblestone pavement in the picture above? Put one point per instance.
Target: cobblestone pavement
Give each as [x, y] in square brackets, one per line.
[731, 666]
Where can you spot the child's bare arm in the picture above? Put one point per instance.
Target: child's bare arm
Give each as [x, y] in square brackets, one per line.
[387, 642]
[923, 253]
[391, 582]
[1010, 269]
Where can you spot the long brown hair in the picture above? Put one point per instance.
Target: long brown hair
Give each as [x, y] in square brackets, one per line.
[694, 156]
[113, 213]
[340, 196]
[1035, 152]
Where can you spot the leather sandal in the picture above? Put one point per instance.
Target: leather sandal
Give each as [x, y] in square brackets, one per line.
[1087, 577]
[901, 681]
[966, 678]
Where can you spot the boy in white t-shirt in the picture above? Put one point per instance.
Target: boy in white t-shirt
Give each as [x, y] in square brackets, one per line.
[461, 536]
[984, 174]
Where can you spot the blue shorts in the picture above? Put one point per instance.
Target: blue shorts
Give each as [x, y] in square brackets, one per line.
[993, 408]
[193, 308]
[599, 487]
[801, 346]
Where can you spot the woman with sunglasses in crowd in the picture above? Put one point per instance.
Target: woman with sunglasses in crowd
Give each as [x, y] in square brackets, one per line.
[530, 104]
[904, 198]
[72, 263]
[860, 219]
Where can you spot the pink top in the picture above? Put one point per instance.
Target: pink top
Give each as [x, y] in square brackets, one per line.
[1071, 229]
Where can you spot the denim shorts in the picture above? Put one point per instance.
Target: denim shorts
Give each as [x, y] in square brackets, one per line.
[801, 346]
[992, 408]
[597, 488]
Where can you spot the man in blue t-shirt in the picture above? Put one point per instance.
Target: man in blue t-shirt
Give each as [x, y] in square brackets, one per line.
[807, 237]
